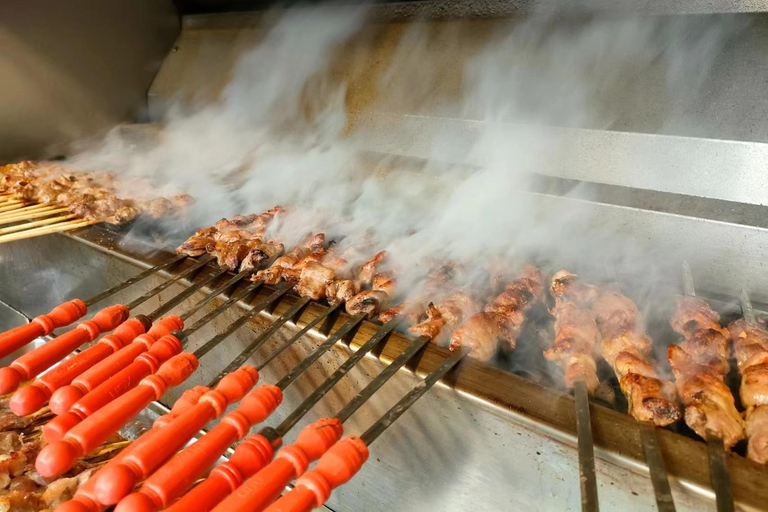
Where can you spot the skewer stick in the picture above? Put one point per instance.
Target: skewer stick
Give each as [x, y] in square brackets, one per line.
[31, 215]
[12, 205]
[587, 478]
[47, 230]
[21, 208]
[44, 222]
[656, 467]
[746, 308]
[719, 476]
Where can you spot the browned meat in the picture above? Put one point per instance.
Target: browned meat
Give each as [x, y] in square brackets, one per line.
[576, 336]
[750, 344]
[565, 286]
[314, 279]
[230, 254]
[446, 316]
[368, 302]
[19, 501]
[274, 273]
[199, 243]
[693, 314]
[368, 269]
[341, 290]
[259, 253]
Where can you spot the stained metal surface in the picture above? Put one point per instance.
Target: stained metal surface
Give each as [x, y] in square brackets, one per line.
[453, 451]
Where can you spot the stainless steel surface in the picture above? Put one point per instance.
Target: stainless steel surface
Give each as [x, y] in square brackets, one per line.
[587, 477]
[719, 474]
[658, 470]
[74, 69]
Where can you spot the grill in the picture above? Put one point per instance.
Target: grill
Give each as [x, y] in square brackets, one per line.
[488, 436]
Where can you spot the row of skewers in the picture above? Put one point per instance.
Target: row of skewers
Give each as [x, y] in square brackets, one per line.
[40, 198]
[589, 322]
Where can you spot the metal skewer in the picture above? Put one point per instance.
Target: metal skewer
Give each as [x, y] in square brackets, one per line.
[658, 470]
[719, 475]
[587, 477]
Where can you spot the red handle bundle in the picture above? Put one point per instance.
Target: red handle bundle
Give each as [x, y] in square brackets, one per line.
[43, 325]
[115, 482]
[313, 489]
[264, 487]
[57, 457]
[31, 398]
[249, 457]
[178, 474]
[33, 363]
[116, 386]
[65, 397]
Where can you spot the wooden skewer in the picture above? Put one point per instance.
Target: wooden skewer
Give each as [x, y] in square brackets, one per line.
[47, 230]
[44, 222]
[12, 205]
[23, 208]
[32, 215]
[6, 197]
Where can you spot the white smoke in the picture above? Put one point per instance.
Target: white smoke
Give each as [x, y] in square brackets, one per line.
[277, 136]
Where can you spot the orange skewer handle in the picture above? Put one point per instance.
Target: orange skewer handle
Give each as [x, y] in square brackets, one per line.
[43, 325]
[313, 489]
[66, 396]
[57, 457]
[249, 457]
[292, 461]
[186, 401]
[31, 398]
[117, 481]
[37, 361]
[116, 386]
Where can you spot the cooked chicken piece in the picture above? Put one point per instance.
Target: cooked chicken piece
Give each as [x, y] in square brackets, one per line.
[368, 302]
[693, 314]
[233, 235]
[341, 290]
[412, 310]
[230, 254]
[709, 405]
[566, 286]
[314, 280]
[64, 489]
[9, 421]
[446, 316]
[576, 336]
[709, 347]
[158, 208]
[17, 463]
[9, 442]
[19, 501]
[293, 273]
[259, 253]
[199, 243]
[274, 273]
[616, 313]
[23, 483]
[750, 344]
[368, 269]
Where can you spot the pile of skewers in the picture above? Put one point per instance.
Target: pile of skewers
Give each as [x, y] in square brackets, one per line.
[39, 198]
[102, 387]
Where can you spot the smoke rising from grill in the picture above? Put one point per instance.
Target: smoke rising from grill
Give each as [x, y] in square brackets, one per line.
[281, 133]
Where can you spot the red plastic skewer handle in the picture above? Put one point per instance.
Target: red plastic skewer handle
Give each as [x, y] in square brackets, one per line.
[186, 401]
[117, 385]
[37, 361]
[179, 473]
[249, 457]
[258, 491]
[43, 325]
[57, 457]
[66, 396]
[117, 481]
[31, 398]
[313, 489]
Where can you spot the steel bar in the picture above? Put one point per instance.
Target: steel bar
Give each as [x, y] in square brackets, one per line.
[215, 293]
[370, 435]
[256, 309]
[746, 308]
[213, 313]
[688, 280]
[181, 297]
[167, 284]
[135, 279]
[659, 478]
[345, 330]
[291, 314]
[298, 413]
[587, 478]
[719, 476]
[373, 386]
[327, 315]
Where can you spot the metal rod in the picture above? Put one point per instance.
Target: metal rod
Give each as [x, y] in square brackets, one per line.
[298, 413]
[256, 309]
[688, 280]
[329, 313]
[344, 331]
[655, 460]
[135, 279]
[719, 476]
[167, 284]
[178, 299]
[587, 478]
[214, 293]
[746, 308]
[373, 386]
[291, 314]
[219, 309]
[370, 435]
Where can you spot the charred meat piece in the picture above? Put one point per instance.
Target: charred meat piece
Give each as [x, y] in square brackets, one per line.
[446, 316]
[274, 273]
[368, 269]
[198, 244]
[341, 290]
[576, 336]
[314, 279]
[259, 253]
